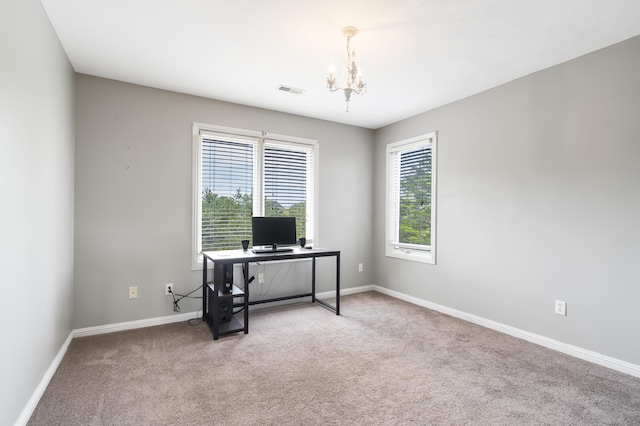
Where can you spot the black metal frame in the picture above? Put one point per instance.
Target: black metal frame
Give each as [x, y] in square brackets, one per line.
[231, 257]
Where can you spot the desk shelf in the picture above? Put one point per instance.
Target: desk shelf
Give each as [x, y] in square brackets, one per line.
[235, 291]
[219, 310]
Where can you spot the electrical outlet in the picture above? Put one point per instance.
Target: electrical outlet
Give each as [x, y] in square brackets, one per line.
[168, 289]
[360, 267]
[261, 278]
[561, 307]
[133, 292]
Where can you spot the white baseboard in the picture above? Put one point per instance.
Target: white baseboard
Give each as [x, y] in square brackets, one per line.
[345, 291]
[150, 322]
[130, 325]
[585, 354]
[27, 411]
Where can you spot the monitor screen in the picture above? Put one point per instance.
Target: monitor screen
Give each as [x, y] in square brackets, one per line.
[272, 231]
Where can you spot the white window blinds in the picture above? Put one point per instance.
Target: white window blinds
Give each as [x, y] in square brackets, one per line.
[288, 188]
[227, 191]
[415, 196]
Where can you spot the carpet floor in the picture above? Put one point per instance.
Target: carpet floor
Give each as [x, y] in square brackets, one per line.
[381, 362]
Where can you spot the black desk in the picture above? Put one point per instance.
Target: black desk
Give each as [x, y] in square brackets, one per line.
[217, 304]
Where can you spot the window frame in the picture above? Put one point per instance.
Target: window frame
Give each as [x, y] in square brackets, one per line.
[261, 139]
[393, 248]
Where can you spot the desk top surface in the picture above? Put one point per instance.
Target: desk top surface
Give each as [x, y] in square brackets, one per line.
[239, 256]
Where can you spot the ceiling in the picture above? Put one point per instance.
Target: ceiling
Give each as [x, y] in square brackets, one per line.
[415, 54]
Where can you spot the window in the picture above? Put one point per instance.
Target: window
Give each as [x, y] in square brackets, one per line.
[239, 174]
[411, 201]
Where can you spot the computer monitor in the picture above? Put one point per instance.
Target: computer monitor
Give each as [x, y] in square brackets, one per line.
[273, 231]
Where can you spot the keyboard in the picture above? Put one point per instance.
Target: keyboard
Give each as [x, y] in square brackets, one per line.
[278, 250]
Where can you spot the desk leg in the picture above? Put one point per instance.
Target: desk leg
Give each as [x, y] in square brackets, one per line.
[313, 280]
[204, 287]
[245, 266]
[338, 284]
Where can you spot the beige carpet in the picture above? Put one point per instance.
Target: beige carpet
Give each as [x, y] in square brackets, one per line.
[383, 361]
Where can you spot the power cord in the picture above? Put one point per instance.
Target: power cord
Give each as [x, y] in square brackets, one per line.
[197, 320]
[245, 272]
[176, 307]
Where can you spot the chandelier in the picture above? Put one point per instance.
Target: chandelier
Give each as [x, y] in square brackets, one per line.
[352, 75]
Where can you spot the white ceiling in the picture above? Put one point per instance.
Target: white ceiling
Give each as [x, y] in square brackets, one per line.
[416, 54]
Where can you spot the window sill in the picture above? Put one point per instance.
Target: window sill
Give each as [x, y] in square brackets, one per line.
[412, 256]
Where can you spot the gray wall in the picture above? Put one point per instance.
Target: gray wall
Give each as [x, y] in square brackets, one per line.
[36, 189]
[133, 201]
[538, 199]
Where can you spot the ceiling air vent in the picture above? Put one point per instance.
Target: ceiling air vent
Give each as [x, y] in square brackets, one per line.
[289, 89]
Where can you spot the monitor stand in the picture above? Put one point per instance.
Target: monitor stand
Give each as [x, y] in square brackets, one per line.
[274, 249]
